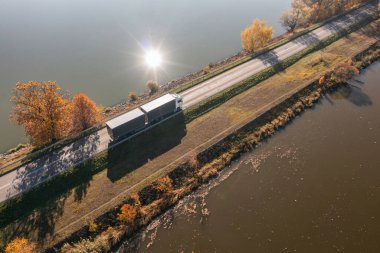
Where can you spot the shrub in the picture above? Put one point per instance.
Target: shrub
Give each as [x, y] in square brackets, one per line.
[152, 86]
[128, 213]
[193, 161]
[20, 245]
[164, 184]
[344, 72]
[322, 80]
[133, 96]
[92, 227]
[289, 19]
[99, 245]
[206, 69]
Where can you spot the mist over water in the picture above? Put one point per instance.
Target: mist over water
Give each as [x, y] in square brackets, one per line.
[312, 187]
[98, 46]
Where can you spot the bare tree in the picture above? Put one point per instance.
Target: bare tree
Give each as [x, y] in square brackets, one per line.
[289, 19]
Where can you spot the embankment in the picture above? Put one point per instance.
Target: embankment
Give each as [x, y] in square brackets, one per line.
[200, 167]
[71, 202]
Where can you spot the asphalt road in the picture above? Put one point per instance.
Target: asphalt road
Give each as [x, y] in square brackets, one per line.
[45, 167]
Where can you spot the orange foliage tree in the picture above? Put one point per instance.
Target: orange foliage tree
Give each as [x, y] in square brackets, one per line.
[163, 185]
[255, 36]
[128, 212]
[42, 109]
[85, 113]
[20, 245]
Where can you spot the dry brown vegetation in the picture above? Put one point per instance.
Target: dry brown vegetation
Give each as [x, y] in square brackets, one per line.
[290, 19]
[344, 72]
[133, 96]
[152, 86]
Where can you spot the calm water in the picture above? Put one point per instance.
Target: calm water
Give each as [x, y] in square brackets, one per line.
[313, 187]
[98, 46]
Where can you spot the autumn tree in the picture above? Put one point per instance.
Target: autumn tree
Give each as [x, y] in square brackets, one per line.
[289, 19]
[255, 36]
[164, 185]
[42, 109]
[20, 245]
[152, 86]
[313, 11]
[128, 213]
[344, 72]
[85, 113]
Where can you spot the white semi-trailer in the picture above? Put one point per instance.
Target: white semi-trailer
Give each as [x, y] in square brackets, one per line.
[144, 116]
[161, 107]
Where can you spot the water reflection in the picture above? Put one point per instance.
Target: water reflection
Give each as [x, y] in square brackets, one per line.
[353, 92]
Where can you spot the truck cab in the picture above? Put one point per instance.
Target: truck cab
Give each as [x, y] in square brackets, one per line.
[179, 102]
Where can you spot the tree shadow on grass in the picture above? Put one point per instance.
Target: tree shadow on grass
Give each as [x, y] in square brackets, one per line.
[34, 213]
[137, 151]
[53, 164]
[38, 225]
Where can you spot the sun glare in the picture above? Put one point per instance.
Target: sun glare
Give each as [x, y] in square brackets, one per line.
[153, 58]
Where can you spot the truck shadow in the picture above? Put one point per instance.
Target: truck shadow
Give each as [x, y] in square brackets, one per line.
[137, 151]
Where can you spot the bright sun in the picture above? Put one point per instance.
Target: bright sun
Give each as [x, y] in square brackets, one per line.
[153, 58]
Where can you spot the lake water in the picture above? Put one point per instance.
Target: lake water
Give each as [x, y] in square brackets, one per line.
[313, 187]
[98, 46]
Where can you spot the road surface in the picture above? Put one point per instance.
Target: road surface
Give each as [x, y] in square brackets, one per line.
[47, 166]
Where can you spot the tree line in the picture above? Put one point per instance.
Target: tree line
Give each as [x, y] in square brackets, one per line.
[307, 12]
[49, 114]
[303, 13]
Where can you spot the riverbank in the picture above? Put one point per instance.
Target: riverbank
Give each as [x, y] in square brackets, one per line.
[307, 188]
[84, 196]
[150, 201]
